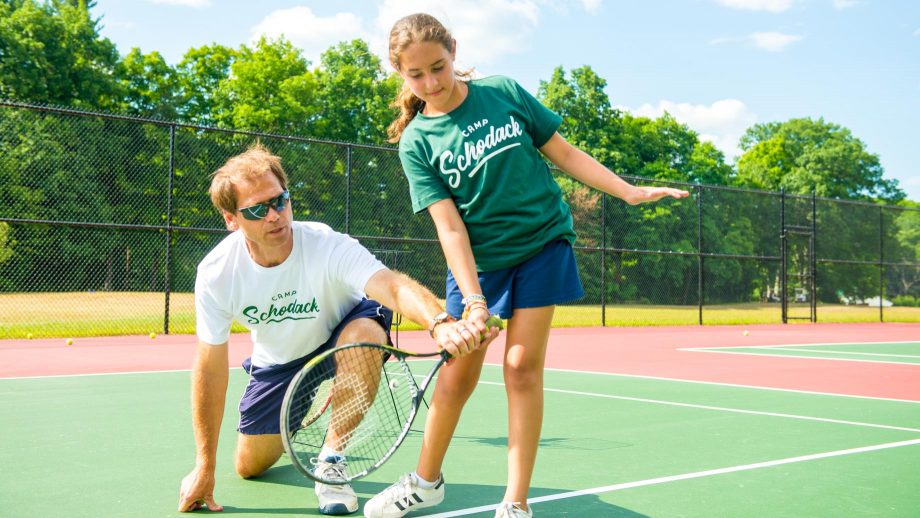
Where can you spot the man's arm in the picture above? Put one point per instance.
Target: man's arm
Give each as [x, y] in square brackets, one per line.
[209, 391]
[402, 294]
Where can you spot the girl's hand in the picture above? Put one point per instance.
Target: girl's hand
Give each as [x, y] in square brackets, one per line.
[478, 315]
[650, 194]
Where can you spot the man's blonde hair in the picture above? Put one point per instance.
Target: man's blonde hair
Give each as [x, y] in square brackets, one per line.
[243, 168]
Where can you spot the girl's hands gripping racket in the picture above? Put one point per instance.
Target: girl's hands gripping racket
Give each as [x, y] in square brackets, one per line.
[357, 399]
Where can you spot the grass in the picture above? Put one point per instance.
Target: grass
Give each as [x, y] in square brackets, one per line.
[80, 314]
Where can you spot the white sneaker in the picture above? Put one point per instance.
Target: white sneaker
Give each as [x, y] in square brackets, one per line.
[404, 496]
[334, 498]
[510, 510]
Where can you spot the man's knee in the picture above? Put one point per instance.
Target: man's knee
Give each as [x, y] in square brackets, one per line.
[362, 330]
[257, 453]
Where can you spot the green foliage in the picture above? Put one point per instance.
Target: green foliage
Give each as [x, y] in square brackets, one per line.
[51, 52]
[805, 156]
[6, 243]
[268, 90]
[353, 95]
[588, 121]
[906, 300]
[150, 86]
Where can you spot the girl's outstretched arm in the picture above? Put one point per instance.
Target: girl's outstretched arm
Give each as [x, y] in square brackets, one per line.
[584, 168]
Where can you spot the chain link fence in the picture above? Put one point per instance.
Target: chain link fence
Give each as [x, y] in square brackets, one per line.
[104, 218]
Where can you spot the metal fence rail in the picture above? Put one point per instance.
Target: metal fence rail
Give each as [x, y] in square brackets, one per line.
[103, 219]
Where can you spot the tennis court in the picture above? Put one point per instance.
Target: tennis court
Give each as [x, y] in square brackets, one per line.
[801, 420]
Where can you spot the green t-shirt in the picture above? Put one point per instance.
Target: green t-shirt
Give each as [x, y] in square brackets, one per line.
[484, 155]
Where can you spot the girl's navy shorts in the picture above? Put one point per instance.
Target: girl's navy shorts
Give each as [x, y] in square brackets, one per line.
[547, 279]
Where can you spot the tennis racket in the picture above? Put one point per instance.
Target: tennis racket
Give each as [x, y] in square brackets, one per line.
[360, 400]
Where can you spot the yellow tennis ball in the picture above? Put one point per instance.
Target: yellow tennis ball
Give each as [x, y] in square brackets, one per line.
[153, 335]
[69, 341]
[745, 333]
[29, 336]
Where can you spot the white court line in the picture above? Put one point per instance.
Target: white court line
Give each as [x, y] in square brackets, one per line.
[687, 476]
[573, 371]
[717, 350]
[91, 374]
[733, 385]
[834, 352]
[725, 409]
[896, 342]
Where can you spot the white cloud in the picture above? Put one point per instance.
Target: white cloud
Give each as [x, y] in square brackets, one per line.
[486, 30]
[592, 6]
[311, 33]
[769, 41]
[185, 3]
[773, 6]
[773, 41]
[722, 122]
[845, 4]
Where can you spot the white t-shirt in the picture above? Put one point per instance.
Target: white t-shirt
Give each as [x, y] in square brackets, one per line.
[290, 309]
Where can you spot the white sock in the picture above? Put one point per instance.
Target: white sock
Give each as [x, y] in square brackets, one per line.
[422, 483]
[328, 452]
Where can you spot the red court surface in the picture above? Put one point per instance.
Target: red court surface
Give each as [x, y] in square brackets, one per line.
[636, 351]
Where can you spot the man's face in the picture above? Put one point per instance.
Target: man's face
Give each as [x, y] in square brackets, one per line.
[270, 238]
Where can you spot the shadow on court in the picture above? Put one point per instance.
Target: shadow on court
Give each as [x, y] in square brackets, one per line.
[459, 497]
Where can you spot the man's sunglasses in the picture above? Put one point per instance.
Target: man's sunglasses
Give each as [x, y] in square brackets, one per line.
[260, 210]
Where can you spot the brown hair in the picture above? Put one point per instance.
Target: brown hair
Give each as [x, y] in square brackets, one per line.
[243, 168]
[415, 28]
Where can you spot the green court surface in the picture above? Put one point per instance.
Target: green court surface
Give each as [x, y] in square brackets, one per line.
[888, 352]
[613, 446]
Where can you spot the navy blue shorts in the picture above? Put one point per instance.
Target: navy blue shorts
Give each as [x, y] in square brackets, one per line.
[260, 406]
[547, 279]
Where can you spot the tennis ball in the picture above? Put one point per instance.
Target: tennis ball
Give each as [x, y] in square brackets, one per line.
[153, 335]
[69, 341]
[745, 333]
[394, 383]
[29, 336]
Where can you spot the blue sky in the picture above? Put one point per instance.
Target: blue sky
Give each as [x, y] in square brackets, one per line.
[717, 65]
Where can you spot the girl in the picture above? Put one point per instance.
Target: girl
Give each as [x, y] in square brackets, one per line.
[473, 153]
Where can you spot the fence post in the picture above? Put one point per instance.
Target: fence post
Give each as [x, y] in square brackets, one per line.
[881, 264]
[699, 252]
[348, 188]
[782, 253]
[169, 194]
[603, 260]
[814, 257]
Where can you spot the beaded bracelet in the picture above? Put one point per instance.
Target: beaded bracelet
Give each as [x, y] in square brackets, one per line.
[476, 297]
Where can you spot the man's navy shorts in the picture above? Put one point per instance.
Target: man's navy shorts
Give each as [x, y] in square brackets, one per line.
[260, 406]
[547, 279]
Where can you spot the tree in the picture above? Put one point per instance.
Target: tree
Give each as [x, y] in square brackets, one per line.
[588, 121]
[805, 156]
[270, 89]
[51, 52]
[150, 86]
[199, 75]
[353, 95]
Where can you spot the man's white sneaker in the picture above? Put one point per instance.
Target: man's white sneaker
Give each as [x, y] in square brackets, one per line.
[334, 498]
[404, 496]
[510, 510]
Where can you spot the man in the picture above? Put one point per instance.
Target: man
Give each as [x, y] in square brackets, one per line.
[300, 288]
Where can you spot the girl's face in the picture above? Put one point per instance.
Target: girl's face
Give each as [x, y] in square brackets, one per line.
[428, 70]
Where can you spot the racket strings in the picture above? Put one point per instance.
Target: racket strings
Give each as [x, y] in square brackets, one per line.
[357, 404]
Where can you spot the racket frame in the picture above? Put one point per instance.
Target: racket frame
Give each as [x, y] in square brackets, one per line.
[399, 355]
